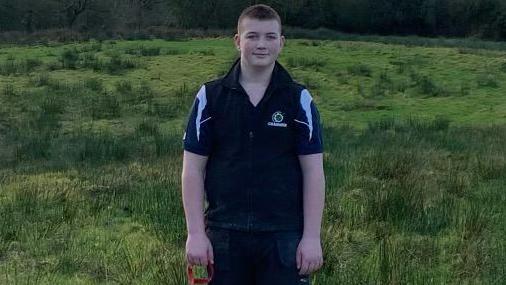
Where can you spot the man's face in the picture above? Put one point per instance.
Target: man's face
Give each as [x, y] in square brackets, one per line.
[259, 41]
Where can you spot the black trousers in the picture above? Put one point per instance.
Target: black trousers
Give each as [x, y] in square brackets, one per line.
[255, 258]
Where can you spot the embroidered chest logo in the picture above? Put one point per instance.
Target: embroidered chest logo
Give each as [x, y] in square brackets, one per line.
[277, 120]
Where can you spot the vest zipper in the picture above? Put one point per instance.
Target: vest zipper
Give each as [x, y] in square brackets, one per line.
[250, 165]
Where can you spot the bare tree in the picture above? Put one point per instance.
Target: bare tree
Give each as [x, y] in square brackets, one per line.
[141, 6]
[28, 20]
[71, 9]
[8, 14]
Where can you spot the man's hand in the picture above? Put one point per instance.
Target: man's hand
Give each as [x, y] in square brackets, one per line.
[199, 250]
[309, 255]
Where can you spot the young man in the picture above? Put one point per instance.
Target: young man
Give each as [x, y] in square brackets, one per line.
[253, 146]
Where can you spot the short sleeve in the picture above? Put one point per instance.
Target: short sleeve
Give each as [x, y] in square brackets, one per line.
[197, 136]
[309, 138]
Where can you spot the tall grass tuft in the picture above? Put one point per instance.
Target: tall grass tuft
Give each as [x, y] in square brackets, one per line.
[9, 90]
[401, 66]
[69, 58]
[465, 89]
[184, 96]
[205, 52]
[173, 51]
[168, 269]
[41, 79]
[101, 146]
[104, 105]
[487, 80]
[148, 127]
[114, 63]
[382, 85]
[314, 63]
[360, 70]
[94, 84]
[427, 86]
[35, 136]
[502, 67]
[19, 66]
[412, 124]
[124, 88]
[143, 51]
[92, 46]
[135, 94]
[177, 105]
[117, 64]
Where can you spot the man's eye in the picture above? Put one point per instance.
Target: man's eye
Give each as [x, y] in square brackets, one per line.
[272, 37]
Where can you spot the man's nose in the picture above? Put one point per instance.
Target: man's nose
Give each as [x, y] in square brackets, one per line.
[261, 43]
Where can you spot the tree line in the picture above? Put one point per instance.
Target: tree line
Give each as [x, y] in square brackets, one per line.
[461, 18]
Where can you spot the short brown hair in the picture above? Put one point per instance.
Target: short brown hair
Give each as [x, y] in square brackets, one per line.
[259, 12]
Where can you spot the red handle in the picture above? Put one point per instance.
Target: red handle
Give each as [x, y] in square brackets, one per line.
[193, 280]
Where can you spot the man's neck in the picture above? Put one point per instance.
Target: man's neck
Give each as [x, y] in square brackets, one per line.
[255, 75]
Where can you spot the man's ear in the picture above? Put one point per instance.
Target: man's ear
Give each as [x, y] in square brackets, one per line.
[237, 41]
[282, 42]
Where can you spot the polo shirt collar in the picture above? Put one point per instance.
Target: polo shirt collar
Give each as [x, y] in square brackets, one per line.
[280, 76]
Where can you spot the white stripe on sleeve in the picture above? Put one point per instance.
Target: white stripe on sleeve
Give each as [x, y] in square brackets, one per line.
[201, 95]
[305, 101]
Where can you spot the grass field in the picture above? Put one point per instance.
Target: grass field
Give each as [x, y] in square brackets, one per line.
[91, 154]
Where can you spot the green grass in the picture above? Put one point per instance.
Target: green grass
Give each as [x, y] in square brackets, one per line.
[13, 66]
[90, 151]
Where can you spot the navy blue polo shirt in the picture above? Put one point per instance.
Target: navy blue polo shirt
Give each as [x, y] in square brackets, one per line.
[253, 178]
